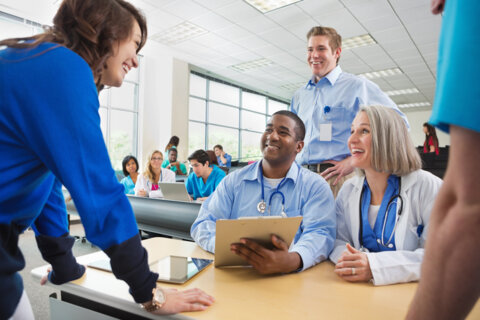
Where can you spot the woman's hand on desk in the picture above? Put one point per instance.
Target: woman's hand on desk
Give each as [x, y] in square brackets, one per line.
[45, 277]
[353, 266]
[142, 193]
[184, 301]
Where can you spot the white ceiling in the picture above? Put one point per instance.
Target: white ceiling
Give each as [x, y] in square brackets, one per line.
[405, 30]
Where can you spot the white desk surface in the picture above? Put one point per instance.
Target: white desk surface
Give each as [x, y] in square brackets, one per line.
[241, 293]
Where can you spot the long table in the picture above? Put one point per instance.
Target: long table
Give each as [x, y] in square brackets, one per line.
[241, 293]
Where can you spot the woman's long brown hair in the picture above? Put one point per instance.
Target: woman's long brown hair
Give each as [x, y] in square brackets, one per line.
[91, 28]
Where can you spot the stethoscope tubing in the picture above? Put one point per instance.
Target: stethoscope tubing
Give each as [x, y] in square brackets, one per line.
[385, 218]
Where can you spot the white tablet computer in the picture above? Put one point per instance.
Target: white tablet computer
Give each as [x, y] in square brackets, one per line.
[174, 191]
[256, 228]
[171, 269]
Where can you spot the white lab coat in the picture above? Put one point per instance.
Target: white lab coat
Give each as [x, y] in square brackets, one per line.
[418, 191]
[145, 184]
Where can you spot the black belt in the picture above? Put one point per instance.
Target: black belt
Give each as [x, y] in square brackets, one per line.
[318, 167]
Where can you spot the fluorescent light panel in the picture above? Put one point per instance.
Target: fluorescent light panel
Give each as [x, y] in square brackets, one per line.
[402, 91]
[179, 33]
[382, 73]
[254, 64]
[265, 6]
[358, 41]
[414, 105]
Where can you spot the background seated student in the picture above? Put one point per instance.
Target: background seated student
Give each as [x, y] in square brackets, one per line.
[130, 170]
[431, 141]
[258, 190]
[147, 183]
[224, 159]
[205, 177]
[172, 163]
[392, 196]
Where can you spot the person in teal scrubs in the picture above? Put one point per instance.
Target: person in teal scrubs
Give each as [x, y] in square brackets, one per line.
[205, 178]
[172, 163]
[130, 170]
[450, 283]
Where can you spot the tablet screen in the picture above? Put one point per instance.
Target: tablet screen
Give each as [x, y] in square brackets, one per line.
[178, 269]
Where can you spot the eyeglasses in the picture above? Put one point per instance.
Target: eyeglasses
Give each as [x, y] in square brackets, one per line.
[157, 159]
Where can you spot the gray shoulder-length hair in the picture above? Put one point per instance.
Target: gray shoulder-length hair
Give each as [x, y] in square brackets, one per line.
[392, 147]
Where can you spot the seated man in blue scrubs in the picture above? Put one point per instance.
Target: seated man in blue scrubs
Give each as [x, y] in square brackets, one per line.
[205, 178]
[223, 158]
[172, 163]
[275, 186]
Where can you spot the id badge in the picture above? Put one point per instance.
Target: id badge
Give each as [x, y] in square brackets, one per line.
[325, 131]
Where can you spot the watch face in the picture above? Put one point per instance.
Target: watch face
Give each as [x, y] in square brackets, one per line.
[159, 296]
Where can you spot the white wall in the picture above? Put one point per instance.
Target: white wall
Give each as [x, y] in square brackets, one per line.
[416, 120]
[163, 100]
[155, 94]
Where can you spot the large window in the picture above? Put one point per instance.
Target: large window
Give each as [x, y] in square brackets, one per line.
[221, 113]
[119, 118]
[118, 106]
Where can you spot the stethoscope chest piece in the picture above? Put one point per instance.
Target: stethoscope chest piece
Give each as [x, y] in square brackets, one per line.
[262, 207]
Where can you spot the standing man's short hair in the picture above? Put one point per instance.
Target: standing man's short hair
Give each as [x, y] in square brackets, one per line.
[334, 39]
[299, 125]
[219, 146]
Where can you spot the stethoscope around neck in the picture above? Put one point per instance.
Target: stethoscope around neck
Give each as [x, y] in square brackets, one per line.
[380, 241]
[262, 205]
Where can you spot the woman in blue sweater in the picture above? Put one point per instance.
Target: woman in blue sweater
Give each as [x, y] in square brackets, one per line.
[50, 135]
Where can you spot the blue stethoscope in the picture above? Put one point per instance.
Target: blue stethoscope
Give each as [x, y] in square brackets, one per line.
[262, 205]
[380, 241]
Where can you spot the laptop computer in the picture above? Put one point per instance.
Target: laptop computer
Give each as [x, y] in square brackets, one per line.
[259, 229]
[174, 191]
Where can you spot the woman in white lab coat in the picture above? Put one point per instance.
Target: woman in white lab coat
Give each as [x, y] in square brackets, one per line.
[147, 183]
[383, 212]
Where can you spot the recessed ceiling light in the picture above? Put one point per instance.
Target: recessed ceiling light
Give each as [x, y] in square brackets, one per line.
[179, 33]
[402, 91]
[254, 64]
[382, 73]
[265, 6]
[414, 105]
[358, 41]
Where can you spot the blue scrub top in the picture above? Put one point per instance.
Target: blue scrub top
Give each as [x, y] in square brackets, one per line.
[198, 189]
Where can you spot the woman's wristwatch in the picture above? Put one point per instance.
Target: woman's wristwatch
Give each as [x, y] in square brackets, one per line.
[158, 300]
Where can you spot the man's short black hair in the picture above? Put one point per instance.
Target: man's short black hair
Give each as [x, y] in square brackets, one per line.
[201, 156]
[124, 164]
[299, 126]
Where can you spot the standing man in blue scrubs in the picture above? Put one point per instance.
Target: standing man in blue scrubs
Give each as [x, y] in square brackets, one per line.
[205, 177]
[450, 283]
[274, 186]
[328, 103]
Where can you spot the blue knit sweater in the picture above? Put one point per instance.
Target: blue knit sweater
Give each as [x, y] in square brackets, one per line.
[50, 135]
